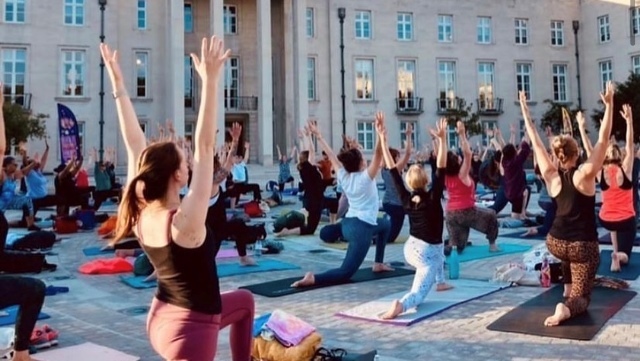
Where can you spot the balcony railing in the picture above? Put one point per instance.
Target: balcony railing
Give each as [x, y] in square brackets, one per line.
[489, 106]
[409, 106]
[449, 105]
[21, 99]
[241, 103]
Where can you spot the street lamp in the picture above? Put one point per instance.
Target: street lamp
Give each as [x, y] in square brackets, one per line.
[103, 4]
[576, 27]
[342, 13]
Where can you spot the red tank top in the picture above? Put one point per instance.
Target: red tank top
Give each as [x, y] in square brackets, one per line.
[461, 196]
[617, 201]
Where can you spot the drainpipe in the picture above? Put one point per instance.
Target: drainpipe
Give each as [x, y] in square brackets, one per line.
[576, 27]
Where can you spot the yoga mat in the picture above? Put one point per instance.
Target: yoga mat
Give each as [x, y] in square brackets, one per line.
[83, 352]
[97, 251]
[283, 287]
[628, 272]
[606, 239]
[137, 282]
[9, 314]
[519, 234]
[402, 239]
[472, 253]
[528, 318]
[227, 253]
[436, 302]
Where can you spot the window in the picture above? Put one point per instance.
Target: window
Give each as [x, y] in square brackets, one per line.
[189, 101]
[403, 135]
[143, 126]
[14, 66]
[364, 79]
[366, 135]
[406, 79]
[452, 136]
[635, 20]
[447, 84]
[603, 28]
[523, 79]
[522, 31]
[142, 74]
[484, 30]
[232, 83]
[522, 129]
[189, 129]
[405, 26]
[311, 27]
[606, 73]
[230, 19]
[311, 79]
[363, 24]
[486, 81]
[557, 33]
[559, 73]
[81, 137]
[142, 14]
[488, 125]
[635, 64]
[14, 11]
[188, 18]
[445, 28]
[74, 12]
[73, 73]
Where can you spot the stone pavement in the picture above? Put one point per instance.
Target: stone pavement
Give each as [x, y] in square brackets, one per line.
[102, 310]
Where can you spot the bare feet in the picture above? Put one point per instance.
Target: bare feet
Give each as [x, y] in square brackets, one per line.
[567, 290]
[615, 262]
[381, 267]
[393, 312]
[530, 232]
[562, 313]
[247, 261]
[494, 248]
[623, 258]
[443, 287]
[307, 280]
[124, 253]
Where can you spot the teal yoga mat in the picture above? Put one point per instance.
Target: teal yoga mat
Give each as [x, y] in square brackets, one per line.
[472, 253]
[97, 251]
[518, 235]
[9, 314]
[137, 282]
[628, 272]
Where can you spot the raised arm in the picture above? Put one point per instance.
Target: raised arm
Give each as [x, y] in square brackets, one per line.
[294, 149]
[591, 168]
[582, 127]
[279, 153]
[247, 147]
[45, 155]
[465, 168]
[134, 139]
[627, 163]
[188, 228]
[376, 161]
[512, 130]
[499, 139]
[313, 129]
[402, 164]
[440, 133]
[547, 169]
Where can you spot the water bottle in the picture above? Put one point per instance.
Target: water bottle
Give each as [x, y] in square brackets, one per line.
[454, 264]
[257, 249]
[91, 202]
[376, 357]
[545, 273]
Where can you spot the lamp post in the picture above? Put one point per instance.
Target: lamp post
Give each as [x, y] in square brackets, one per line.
[342, 13]
[103, 4]
[576, 27]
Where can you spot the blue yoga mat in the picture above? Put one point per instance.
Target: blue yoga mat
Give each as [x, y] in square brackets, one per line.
[12, 311]
[137, 282]
[97, 251]
[519, 234]
[472, 253]
[628, 272]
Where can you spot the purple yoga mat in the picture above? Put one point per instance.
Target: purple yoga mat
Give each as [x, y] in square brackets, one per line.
[227, 253]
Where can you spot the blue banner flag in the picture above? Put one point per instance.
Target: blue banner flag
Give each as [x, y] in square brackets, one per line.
[69, 137]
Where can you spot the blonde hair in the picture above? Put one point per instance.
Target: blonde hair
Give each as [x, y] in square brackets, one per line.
[613, 154]
[416, 178]
[565, 148]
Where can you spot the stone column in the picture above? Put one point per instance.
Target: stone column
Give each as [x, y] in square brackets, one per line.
[265, 84]
[300, 55]
[216, 19]
[175, 56]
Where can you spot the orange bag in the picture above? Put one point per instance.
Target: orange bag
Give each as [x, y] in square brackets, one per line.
[108, 226]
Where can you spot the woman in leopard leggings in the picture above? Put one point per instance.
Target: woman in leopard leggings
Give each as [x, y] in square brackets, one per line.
[573, 237]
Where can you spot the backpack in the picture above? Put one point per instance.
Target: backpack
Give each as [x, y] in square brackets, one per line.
[289, 220]
[253, 210]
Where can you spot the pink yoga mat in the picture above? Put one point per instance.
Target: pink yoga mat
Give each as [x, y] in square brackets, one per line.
[84, 352]
[227, 253]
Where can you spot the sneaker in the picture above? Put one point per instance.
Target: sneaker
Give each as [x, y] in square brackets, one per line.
[39, 339]
[52, 334]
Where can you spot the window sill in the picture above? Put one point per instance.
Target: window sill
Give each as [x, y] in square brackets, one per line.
[529, 102]
[73, 99]
[363, 101]
[14, 22]
[141, 100]
[314, 101]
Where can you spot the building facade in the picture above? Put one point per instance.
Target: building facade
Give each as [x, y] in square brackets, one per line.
[415, 60]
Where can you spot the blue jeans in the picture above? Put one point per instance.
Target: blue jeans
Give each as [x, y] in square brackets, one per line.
[396, 213]
[359, 235]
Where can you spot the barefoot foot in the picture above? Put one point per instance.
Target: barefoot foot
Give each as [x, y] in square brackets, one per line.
[307, 280]
[381, 267]
[623, 258]
[443, 287]
[530, 232]
[247, 261]
[393, 312]
[562, 313]
[494, 248]
[615, 262]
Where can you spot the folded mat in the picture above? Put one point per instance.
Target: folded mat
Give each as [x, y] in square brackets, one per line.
[606, 239]
[436, 302]
[472, 253]
[528, 318]
[519, 234]
[9, 314]
[283, 287]
[97, 251]
[629, 271]
[83, 352]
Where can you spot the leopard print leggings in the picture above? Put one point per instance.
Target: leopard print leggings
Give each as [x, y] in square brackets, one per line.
[580, 261]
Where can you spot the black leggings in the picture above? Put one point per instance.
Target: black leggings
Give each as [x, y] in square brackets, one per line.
[28, 294]
[314, 206]
[626, 232]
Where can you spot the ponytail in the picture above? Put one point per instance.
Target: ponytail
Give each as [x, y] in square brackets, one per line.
[128, 211]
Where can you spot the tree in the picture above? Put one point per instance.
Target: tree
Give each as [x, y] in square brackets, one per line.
[470, 119]
[626, 93]
[22, 124]
[553, 118]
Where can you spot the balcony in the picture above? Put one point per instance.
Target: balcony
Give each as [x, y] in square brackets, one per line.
[241, 104]
[21, 99]
[489, 106]
[447, 106]
[409, 106]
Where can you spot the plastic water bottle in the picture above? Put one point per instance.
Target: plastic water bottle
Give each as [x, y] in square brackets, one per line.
[376, 357]
[454, 264]
[545, 273]
[257, 249]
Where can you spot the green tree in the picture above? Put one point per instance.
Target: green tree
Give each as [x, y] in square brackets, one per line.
[552, 117]
[22, 124]
[470, 119]
[626, 93]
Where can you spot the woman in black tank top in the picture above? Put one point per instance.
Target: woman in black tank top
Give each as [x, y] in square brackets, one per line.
[573, 237]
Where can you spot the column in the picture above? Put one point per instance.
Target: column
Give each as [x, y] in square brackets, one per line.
[216, 18]
[265, 84]
[175, 56]
[300, 55]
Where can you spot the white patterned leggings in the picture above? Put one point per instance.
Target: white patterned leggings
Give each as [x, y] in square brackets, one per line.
[428, 259]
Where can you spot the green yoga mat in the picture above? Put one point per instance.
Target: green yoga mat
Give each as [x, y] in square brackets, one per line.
[528, 318]
[283, 287]
[628, 272]
[472, 253]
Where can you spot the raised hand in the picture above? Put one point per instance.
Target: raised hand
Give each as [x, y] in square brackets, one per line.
[460, 129]
[312, 128]
[212, 58]
[379, 123]
[512, 128]
[524, 106]
[441, 129]
[409, 130]
[607, 95]
[549, 132]
[300, 134]
[236, 131]
[626, 113]
[580, 119]
[110, 58]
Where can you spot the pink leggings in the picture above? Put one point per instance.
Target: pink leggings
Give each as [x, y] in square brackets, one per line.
[177, 333]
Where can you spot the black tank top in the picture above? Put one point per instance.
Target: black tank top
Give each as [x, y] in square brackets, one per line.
[575, 216]
[187, 277]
